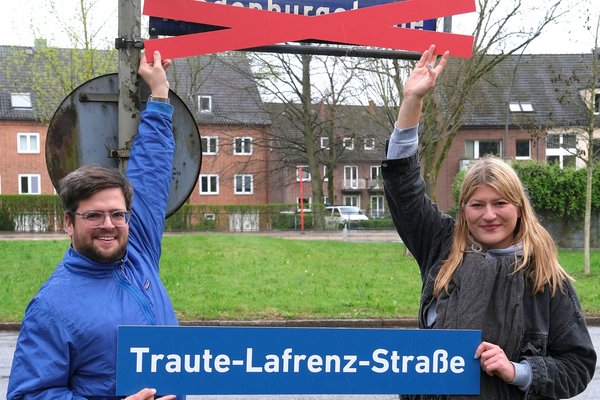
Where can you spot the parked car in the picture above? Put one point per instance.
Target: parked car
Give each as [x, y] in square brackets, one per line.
[345, 213]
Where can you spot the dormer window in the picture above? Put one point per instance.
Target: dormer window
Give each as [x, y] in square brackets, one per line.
[348, 143]
[205, 104]
[526, 106]
[369, 144]
[520, 106]
[20, 100]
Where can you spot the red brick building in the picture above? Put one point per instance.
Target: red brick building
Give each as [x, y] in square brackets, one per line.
[219, 92]
[22, 161]
[529, 107]
[252, 152]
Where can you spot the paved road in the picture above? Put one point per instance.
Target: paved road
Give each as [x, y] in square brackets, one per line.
[9, 338]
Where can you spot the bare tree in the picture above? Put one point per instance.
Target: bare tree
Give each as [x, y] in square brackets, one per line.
[580, 94]
[494, 42]
[496, 38]
[52, 73]
[592, 111]
[308, 111]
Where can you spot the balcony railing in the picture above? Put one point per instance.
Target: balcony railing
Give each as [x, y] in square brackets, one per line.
[375, 183]
[354, 184]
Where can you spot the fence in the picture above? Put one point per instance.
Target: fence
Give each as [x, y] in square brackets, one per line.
[264, 218]
[45, 214]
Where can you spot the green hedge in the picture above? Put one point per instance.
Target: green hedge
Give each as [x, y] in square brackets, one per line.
[554, 192]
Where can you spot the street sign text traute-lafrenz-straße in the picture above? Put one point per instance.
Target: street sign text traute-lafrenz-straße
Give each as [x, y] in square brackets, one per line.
[381, 361]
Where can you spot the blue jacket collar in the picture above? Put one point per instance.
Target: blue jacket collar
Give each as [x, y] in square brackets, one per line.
[78, 263]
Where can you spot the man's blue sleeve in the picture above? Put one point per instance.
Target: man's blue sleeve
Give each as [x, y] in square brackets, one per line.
[41, 364]
[149, 169]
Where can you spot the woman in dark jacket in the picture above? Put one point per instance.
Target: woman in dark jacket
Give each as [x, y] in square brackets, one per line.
[493, 268]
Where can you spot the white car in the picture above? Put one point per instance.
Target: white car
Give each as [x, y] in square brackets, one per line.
[345, 213]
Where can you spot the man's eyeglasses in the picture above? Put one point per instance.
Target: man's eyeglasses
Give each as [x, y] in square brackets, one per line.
[95, 219]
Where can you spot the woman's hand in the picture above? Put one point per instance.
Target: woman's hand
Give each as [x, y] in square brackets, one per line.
[420, 81]
[495, 362]
[422, 78]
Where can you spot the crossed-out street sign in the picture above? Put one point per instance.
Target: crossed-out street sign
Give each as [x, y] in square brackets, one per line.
[245, 28]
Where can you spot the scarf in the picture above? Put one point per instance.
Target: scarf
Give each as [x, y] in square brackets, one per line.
[485, 294]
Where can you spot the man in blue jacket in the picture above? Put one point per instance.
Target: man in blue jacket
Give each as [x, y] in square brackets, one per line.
[109, 276]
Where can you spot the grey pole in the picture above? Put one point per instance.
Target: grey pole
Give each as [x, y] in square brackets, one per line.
[129, 44]
[448, 24]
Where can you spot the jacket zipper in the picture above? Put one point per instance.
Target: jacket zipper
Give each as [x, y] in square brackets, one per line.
[124, 282]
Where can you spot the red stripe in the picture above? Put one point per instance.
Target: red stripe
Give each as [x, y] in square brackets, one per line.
[370, 26]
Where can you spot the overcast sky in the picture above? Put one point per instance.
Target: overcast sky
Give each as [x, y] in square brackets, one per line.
[20, 15]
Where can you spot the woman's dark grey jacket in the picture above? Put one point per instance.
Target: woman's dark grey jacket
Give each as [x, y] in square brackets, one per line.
[555, 339]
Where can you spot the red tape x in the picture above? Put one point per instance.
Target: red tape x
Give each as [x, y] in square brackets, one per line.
[248, 28]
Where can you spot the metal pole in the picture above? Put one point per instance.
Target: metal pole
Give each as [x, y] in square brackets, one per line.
[336, 51]
[448, 24]
[128, 44]
[301, 200]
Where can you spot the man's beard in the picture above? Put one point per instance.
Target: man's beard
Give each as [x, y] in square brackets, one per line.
[92, 252]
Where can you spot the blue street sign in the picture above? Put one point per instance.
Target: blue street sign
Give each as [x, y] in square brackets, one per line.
[243, 360]
[167, 27]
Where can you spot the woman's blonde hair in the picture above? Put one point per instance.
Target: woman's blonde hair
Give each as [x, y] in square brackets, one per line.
[539, 260]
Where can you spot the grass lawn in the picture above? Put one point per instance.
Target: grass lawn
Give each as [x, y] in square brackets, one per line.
[236, 277]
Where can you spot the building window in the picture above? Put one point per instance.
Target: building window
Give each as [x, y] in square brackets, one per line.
[370, 144]
[305, 202]
[375, 171]
[325, 177]
[324, 142]
[242, 184]
[210, 217]
[348, 143]
[596, 103]
[210, 145]
[566, 141]
[242, 146]
[478, 148]
[377, 209]
[523, 150]
[375, 179]
[306, 176]
[526, 107]
[28, 142]
[353, 201]
[209, 184]
[20, 100]
[596, 151]
[205, 104]
[561, 149]
[520, 106]
[29, 184]
[350, 177]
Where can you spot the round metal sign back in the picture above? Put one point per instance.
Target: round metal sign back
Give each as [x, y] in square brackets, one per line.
[84, 130]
